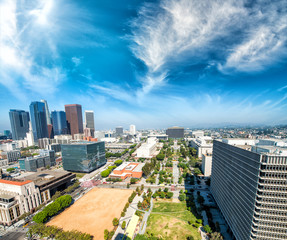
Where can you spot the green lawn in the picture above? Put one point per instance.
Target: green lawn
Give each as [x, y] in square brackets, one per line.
[169, 221]
[79, 175]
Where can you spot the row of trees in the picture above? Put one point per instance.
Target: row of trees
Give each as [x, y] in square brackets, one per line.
[52, 209]
[163, 194]
[149, 167]
[108, 171]
[55, 233]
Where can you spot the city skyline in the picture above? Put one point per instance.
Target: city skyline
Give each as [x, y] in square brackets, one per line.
[189, 63]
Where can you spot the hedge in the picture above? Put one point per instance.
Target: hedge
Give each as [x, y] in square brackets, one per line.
[53, 208]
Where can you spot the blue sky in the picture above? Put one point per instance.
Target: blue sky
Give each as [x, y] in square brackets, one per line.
[150, 63]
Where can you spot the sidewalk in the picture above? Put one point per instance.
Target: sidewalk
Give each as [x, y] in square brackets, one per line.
[119, 233]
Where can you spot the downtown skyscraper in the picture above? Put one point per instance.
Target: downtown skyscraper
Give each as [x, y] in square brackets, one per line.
[74, 118]
[59, 122]
[38, 120]
[19, 120]
[89, 119]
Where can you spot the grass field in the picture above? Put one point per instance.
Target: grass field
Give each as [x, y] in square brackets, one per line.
[169, 221]
[94, 212]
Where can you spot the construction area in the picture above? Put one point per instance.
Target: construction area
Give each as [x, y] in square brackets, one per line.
[94, 212]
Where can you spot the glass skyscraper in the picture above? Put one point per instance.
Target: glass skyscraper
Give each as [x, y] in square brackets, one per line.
[83, 156]
[59, 122]
[38, 119]
[19, 121]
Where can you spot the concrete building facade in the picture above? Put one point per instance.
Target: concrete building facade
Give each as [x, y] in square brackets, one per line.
[175, 132]
[147, 150]
[250, 190]
[206, 166]
[18, 197]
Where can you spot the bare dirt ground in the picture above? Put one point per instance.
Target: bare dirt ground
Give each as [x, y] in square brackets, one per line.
[94, 212]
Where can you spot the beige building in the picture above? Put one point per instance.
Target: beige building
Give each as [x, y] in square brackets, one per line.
[18, 197]
[206, 164]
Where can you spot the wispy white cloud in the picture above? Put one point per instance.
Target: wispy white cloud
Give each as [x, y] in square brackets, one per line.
[239, 36]
[31, 34]
[77, 61]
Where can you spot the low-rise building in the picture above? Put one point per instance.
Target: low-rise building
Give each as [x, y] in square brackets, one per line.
[203, 145]
[148, 149]
[13, 155]
[32, 164]
[163, 137]
[49, 181]
[206, 164]
[16, 198]
[128, 169]
[3, 162]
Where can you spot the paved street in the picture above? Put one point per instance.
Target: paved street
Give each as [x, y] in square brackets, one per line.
[175, 173]
[17, 234]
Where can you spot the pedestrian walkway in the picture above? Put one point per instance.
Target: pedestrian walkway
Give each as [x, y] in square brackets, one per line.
[175, 172]
[119, 233]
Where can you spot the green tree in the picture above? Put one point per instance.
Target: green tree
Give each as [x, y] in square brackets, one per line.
[40, 217]
[123, 224]
[118, 162]
[169, 195]
[105, 173]
[133, 181]
[160, 156]
[115, 222]
[106, 234]
[207, 229]
[182, 197]
[10, 169]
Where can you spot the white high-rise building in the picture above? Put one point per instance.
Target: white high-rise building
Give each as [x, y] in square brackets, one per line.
[249, 187]
[132, 129]
[30, 136]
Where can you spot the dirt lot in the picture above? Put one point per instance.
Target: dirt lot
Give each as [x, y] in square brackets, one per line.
[94, 212]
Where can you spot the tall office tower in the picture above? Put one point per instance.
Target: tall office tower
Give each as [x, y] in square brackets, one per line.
[175, 132]
[48, 116]
[39, 120]
[119, 131]
[132, 129]
[248, 182]
[89, 119]
[59, 122]
[74, 118]
[19, 121]
[89, 128]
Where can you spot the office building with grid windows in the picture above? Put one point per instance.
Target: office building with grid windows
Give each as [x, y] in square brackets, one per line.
[250, 188]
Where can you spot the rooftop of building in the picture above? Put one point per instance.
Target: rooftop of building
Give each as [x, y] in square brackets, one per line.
[131, 166]
[175, 127]
[16, 182]
[80, 143]
[43, 177]
[263, 146]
